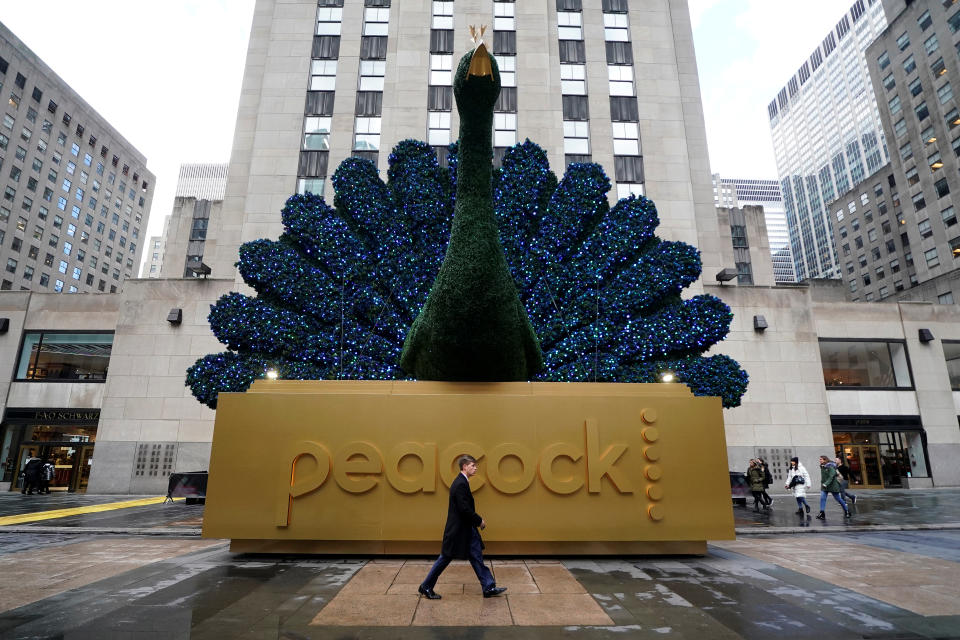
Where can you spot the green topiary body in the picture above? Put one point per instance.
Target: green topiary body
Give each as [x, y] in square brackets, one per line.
[473, 326]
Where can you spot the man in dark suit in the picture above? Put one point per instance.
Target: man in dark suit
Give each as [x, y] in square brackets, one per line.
[461, 540]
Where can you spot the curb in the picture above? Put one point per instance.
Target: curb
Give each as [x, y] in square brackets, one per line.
[864, 528]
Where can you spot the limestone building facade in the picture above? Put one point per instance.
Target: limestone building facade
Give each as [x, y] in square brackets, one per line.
[76, 194]
[877, 383]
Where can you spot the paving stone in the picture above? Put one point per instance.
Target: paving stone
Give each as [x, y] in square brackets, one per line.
[462, 611]
[368, 610]
[557, 609]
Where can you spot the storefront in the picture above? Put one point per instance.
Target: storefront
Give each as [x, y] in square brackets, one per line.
[882, 451]
[65, 437]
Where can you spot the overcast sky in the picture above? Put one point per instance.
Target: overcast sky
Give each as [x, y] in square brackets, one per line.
[167, 74]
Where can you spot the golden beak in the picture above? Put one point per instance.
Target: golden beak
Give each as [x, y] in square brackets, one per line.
[480, 61]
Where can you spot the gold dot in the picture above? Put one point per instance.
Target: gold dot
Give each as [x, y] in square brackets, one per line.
[648, 415]
[653, 472]
[654, 491]
[651, 453]
[655, 512]
[651, 434]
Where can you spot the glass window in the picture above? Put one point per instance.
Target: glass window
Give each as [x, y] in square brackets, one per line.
[64, 356]
[576, 137]
[371, 75]
[443, 15]
[573, 79]
[915, 87]
[883, 60]
[503, 16]
[438, 128]
[903, 41]
[441, 70]
[504, 129]
[951, 352]
[621, 80]
[894, 105]
[944, 93]
[367, 136]
[375, 21]
[316, 135]
[508, 70]
[932, 258]
[569, 25]
[323, 77]
[852, 364]
[328, 21]
[617, 29]
[626, 139]
[924, 21]
[930, 45]
[909, 65]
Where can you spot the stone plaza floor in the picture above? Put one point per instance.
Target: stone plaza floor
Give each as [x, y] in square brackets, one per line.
[143, 572]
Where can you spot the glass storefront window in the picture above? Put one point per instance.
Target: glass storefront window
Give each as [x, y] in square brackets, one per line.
[853, 364]
[64, 356]
[951, 352]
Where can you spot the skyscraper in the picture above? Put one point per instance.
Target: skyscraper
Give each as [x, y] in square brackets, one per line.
[827, 136]
[76, 194]
[582, 79]
[911, 248]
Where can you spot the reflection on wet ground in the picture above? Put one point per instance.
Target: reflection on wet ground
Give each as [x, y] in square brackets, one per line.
[872, 508]
[759, 588]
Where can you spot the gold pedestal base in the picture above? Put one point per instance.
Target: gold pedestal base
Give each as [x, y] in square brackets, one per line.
[364, 468]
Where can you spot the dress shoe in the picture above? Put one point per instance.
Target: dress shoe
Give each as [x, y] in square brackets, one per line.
[493, 591]
[807, 507]
[821, 516]
[847, 514]
[429, 594]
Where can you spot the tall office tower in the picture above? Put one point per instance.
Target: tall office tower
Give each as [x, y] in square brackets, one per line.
[911, 249]
[611, 81]
[154, 255]
[197, 201]
[734, 192]
[76, 194]
[827, 135]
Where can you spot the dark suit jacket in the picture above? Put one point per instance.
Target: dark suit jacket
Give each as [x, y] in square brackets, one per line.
[461, 520]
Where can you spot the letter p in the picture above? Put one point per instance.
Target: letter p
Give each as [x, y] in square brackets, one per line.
[295, 485]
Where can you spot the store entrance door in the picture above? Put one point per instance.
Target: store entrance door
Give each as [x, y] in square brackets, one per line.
[864, 463]
[71, 462]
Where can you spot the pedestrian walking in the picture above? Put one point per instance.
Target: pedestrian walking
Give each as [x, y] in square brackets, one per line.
[46, 475]
[830, 483]
[767, 481]
[31, 474]
[460, 536]
[797, 481]
[755, 479]
[844, 472]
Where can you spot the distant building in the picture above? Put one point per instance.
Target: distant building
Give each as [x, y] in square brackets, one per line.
[898, 234]
[198, 199]
[729, 192]
[76, 194]
[745, 231]
[827, 136]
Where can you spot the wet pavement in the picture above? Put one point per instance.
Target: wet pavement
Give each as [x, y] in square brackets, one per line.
[58, 579]
[877, 508]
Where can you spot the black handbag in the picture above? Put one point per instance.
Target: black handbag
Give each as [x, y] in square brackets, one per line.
[795, 480]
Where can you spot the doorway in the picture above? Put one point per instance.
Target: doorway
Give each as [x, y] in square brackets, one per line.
[864, 463]
[71, 464]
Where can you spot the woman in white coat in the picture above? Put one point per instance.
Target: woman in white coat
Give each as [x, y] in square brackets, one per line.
[798, 486]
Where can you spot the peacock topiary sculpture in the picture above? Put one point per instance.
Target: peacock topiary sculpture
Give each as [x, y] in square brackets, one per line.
[346, 290]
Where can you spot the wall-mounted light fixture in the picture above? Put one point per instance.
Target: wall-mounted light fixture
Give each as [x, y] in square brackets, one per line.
[925, 335]
[759, 324]
[725, 275]
[175, 316]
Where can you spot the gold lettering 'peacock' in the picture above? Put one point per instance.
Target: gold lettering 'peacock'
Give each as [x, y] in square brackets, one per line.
[346, 289]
